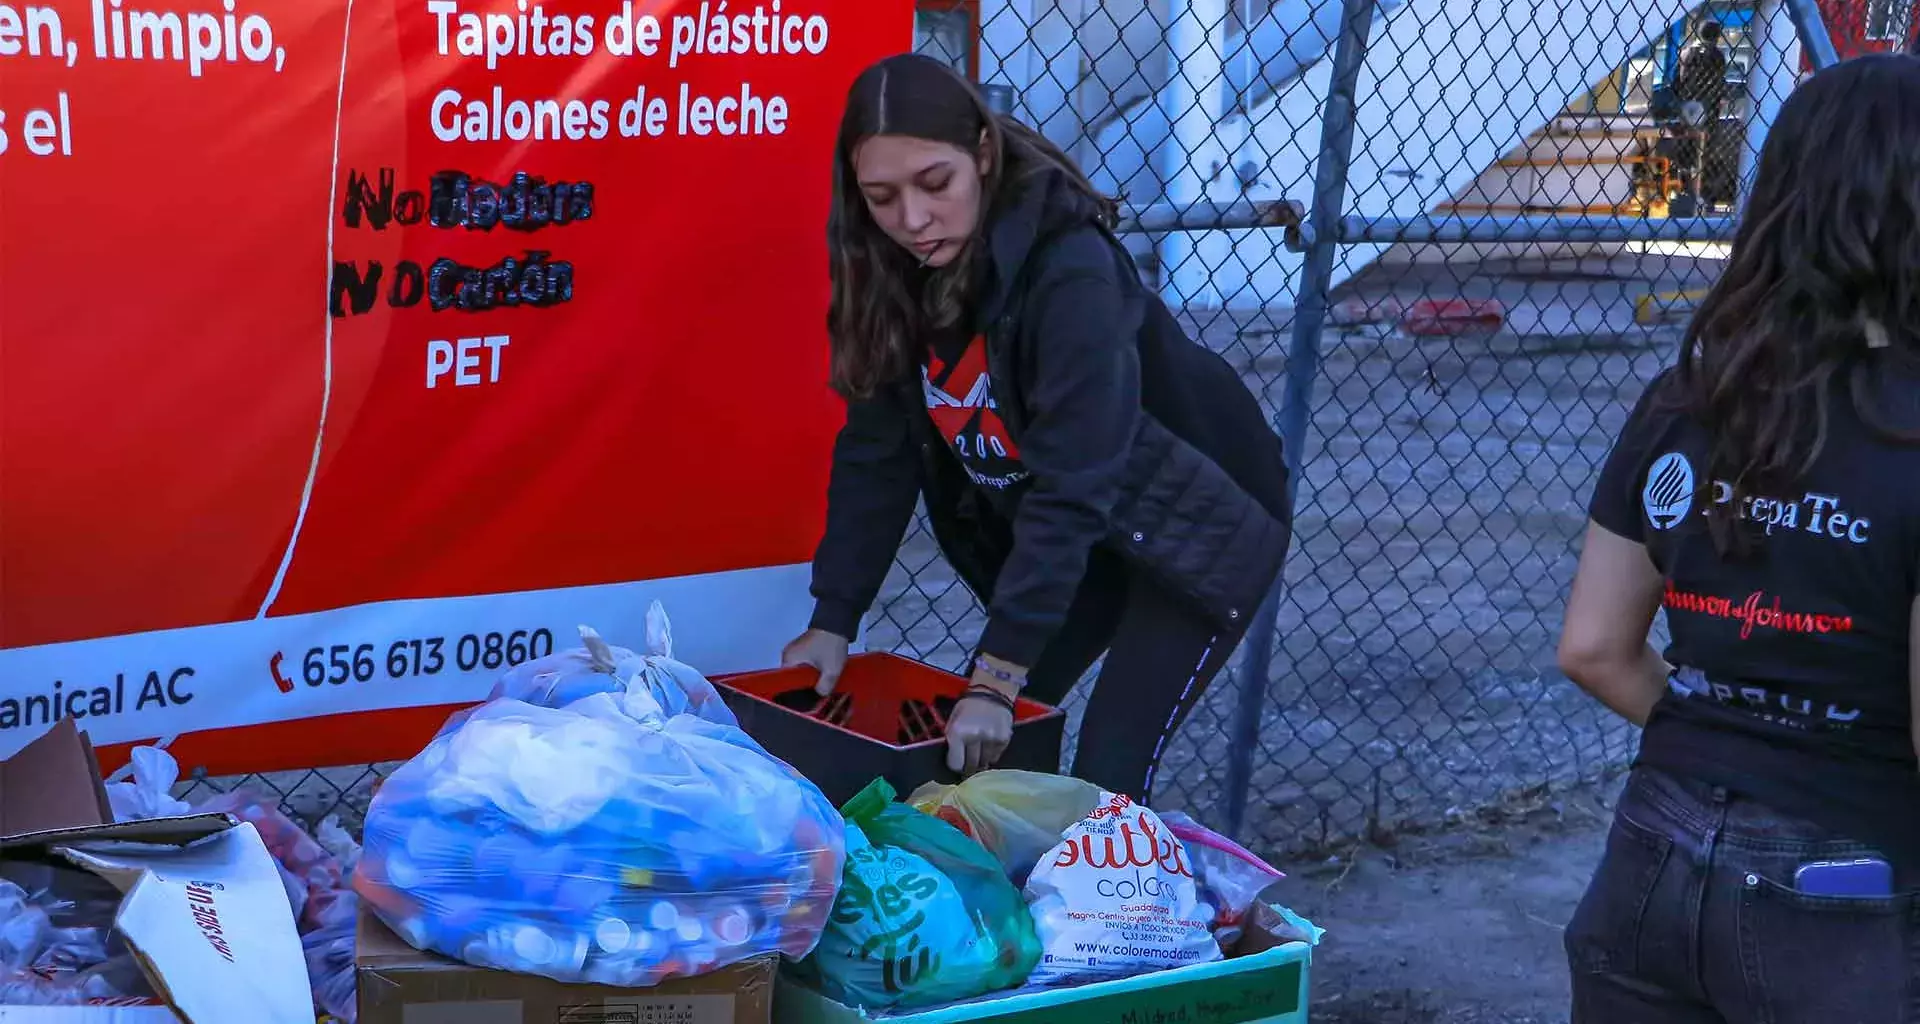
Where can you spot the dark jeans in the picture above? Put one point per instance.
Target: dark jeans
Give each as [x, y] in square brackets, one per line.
[1693, 917]
[1160, 657]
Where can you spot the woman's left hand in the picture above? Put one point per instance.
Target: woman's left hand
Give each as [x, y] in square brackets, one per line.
[979, 729]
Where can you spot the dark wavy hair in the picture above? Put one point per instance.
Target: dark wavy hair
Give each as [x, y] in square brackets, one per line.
[1821, 296]
[883, 304]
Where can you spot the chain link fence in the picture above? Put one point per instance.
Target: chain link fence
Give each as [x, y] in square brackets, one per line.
[1447, 242]
[1534, 196]
[1510, 208]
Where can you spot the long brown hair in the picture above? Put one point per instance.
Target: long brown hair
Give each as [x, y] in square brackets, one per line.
[882, 304]
[1822, 289]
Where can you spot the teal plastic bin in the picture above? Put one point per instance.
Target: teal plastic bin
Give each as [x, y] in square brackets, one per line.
[1269, 987]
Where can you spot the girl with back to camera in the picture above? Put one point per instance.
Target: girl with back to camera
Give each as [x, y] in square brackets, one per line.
[1764, 862]
[1102, 483]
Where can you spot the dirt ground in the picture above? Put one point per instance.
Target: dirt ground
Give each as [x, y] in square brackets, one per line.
[1462, 926]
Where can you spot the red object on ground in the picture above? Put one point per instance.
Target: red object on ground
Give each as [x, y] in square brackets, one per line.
[1447, 317]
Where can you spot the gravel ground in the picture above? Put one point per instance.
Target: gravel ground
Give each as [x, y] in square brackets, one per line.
[1458, 927]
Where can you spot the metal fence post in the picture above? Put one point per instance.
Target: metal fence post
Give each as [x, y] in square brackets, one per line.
[1814, 37]
[1303, 363]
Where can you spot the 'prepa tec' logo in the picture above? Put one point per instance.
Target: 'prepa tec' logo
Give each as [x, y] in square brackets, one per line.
[1668, 496]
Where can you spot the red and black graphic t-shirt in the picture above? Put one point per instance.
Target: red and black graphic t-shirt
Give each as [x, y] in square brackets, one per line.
[1790, 673]
[959, 395]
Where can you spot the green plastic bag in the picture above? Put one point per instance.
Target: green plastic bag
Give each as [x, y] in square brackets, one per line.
[924, 914]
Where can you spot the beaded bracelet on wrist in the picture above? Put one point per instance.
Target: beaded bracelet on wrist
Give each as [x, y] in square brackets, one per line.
[984, 692]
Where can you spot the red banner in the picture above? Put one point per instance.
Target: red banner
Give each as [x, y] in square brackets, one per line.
[352, 352]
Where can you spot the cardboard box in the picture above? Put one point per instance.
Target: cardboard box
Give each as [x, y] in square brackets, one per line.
[402, 985]
[204, 911]
[1267, 984]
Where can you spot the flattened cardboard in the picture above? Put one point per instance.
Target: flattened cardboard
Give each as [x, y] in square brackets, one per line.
[211, 925]
[206, 913]
[399, 984]
[152, 832]
[52, 783]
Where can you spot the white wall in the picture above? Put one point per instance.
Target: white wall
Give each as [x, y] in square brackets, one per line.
[1074, 63]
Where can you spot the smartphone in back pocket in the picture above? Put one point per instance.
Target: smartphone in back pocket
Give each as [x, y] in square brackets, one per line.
[1866, 876]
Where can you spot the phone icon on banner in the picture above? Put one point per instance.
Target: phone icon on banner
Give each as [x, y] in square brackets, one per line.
[279, 680]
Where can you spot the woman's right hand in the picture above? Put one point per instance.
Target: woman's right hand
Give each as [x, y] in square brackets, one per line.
[822, 651]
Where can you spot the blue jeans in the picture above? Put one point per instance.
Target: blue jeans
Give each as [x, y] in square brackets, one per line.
[1692, 918]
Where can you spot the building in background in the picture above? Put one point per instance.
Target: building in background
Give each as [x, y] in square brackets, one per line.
[1211, 102]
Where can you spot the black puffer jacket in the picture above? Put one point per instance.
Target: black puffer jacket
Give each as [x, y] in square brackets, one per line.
[1136, 437]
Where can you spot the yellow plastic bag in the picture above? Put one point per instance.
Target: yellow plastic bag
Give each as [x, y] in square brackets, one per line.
[1018, 816]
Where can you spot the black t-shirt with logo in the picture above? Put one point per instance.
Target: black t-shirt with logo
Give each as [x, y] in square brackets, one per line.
[959, 394]
[1790, 679]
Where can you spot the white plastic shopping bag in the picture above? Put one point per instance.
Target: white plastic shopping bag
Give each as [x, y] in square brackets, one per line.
[1117, 898]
